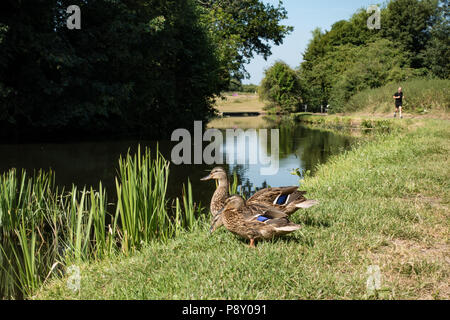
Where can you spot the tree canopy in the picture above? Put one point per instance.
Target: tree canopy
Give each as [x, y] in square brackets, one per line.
[135, 66]
[241, 29]
[413, 41]
[281, 87]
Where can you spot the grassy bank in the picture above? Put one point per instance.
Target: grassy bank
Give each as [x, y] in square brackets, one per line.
[366, 123]
[383, 203]
[422, 96]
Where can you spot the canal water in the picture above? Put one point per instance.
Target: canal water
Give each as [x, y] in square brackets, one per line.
[89, 162]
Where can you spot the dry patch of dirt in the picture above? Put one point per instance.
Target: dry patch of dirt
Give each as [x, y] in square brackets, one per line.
[437, 116]
[414, 270]
[419, 269]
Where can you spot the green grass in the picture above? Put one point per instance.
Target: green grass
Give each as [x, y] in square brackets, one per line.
[422, 96]
[365, 123]
[43, 230]
[383, 203]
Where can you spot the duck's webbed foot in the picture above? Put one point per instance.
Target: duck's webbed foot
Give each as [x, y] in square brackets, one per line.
[252, 243]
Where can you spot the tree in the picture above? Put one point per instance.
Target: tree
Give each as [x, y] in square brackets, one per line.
[369, 66]
[407, 23]
[437, 53]
[134, 67]
[281, 87]
[413, 41]
[241, 29]
[317, 69]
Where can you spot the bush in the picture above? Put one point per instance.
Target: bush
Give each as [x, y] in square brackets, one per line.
[281, 87]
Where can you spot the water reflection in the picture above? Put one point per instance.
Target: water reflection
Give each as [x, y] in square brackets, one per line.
[299, 148]
[87, 163]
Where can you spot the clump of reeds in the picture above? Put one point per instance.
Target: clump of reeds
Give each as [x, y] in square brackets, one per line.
[143, 208]
[43, 229]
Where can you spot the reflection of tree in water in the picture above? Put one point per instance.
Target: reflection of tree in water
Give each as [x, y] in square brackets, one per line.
[272, 121]
[287, 141]
[311, 146]
[318, 145]
[248, 189]
[245, 186]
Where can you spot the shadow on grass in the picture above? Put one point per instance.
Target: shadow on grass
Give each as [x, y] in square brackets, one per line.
[315, 222]
[298, 238]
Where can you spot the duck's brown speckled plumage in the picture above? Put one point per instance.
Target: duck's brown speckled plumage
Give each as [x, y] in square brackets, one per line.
[266, 197]
[218, 199]
[236, 218]
[220, 194]
[269, 195]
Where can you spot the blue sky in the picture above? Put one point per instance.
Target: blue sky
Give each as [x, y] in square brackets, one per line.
[304, 16]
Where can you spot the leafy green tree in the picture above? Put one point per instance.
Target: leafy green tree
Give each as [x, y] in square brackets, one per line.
[369, 66]
[250, 88]
[235, 85]
[318, 69]
[134, 67]
[407, 23]
[413, 41]
[281, 87]
[354, 31]
[241, 29]
[313, 74]
[437, 53]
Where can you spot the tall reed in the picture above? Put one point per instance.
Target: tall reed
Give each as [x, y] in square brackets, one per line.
[42, 227]
[143, 210]
[188, 214]
[142, 205]
[22, 208]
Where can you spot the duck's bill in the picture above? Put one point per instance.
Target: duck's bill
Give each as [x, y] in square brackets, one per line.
[206, 178]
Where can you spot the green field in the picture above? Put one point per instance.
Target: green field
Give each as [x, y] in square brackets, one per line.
[384, 203]
[243, 102]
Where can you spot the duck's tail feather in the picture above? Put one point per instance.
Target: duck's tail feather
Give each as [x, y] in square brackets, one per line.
[288, 228]
[307, 204]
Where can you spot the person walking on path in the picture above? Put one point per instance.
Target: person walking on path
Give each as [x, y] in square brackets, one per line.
[398, 96]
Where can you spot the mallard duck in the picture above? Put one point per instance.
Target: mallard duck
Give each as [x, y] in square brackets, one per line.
[251, 213]
[263, 225]
[221, 193]
[286, 199]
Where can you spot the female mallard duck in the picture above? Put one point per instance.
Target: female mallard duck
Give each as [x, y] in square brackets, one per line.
[263, 225]
[285, 199]
[221, 193]
[251, 213]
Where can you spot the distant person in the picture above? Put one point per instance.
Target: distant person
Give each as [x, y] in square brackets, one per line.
[398, 96]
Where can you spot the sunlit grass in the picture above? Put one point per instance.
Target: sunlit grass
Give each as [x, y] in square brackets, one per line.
[383, 203]
[240, 103]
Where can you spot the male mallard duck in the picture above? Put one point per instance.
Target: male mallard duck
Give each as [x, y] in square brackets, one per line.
[262, 226]
[285, 199]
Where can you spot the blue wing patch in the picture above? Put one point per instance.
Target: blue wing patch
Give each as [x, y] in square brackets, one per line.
[282, 199]
[262, 219]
